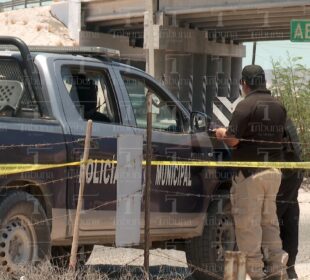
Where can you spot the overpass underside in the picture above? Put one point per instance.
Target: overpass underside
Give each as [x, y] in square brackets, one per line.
[197, 43]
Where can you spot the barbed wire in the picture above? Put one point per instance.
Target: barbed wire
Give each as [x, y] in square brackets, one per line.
[210, 273]
[162, 254]
[263, 141]
[214, 196]
[91, 209]
[84, 210]
[40, 145]
[175, 193]
[117, 200]
[82, 139]
[156, 157]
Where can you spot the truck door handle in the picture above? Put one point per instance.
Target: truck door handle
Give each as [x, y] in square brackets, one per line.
[94, 143]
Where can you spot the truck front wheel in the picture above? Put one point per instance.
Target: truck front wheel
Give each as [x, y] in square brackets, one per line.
[24, 231]
[205, 254]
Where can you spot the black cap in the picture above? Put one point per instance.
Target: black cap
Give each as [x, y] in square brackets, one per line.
[254, 75]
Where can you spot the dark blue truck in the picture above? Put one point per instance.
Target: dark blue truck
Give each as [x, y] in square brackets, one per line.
[46, 98]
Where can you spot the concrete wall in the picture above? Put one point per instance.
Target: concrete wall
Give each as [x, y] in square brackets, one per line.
[60, 11]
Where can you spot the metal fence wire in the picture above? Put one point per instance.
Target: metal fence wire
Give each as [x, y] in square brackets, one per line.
[20, 4]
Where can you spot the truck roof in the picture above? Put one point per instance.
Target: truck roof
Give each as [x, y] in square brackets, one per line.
[87, 57]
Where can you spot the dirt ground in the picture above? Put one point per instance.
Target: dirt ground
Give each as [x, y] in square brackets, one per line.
[36, 27]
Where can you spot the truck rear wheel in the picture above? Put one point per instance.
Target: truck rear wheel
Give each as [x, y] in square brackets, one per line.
[24, 231]
[205, 254]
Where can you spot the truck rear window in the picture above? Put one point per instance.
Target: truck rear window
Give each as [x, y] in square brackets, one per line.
[91, 92]
[16, 100]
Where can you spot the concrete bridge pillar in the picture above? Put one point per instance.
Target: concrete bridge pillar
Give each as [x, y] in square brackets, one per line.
[172, 76]
[185, 68]
[199, 82]
[212, 83]
[178, 77]
[159, 65]
[224, 77]
[74, 19]
[236, 69]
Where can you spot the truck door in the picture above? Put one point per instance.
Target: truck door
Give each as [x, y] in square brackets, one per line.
[173, 211]
[87, 92]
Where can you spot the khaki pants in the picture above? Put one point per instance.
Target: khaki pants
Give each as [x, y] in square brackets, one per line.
[256, 224]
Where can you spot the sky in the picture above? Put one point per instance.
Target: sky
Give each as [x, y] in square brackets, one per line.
[277, 50]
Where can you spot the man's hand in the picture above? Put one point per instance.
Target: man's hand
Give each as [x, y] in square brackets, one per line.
[231, 141]
[220, 133]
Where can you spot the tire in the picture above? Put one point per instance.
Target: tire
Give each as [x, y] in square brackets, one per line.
[24, 231]
[61, 255]
[206, 252]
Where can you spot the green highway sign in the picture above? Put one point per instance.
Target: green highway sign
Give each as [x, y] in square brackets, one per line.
[300, 30]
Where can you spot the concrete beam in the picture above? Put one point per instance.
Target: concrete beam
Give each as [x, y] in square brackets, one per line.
[223, 17]
[176, 7]
[244, 27]
[254, 23]
[107, 10]
[120, 43]
[124, 22]
[185, 40]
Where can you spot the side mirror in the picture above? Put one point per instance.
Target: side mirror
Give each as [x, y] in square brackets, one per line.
[199, 122]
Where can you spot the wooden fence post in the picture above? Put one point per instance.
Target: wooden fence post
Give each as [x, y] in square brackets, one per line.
[75, 239]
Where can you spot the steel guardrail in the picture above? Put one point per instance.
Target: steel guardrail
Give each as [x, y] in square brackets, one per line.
[14, 4]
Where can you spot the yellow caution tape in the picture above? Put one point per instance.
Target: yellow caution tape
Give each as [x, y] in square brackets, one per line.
[7, 169]
[246, 164]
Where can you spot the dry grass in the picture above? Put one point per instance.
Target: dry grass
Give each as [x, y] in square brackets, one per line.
[12, 20]
[45, 271]
[39, 27]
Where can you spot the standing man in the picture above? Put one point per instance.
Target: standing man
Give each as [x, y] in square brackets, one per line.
[287, 203]
[255, 133]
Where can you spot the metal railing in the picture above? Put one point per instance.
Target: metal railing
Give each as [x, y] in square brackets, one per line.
[20, 4]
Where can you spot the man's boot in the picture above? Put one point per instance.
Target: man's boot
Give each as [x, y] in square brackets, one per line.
[291, 273]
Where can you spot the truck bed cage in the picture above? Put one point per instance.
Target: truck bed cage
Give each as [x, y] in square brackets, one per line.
[84, 51]
[32, 77]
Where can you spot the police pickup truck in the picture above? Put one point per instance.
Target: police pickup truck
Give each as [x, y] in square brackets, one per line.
[46, 97]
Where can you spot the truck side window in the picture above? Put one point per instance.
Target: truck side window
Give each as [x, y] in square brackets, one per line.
[91, 93]
[166, 115]
[16, 99]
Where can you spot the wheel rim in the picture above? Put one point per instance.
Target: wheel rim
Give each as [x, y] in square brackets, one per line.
[17, 243]
[225, 236]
